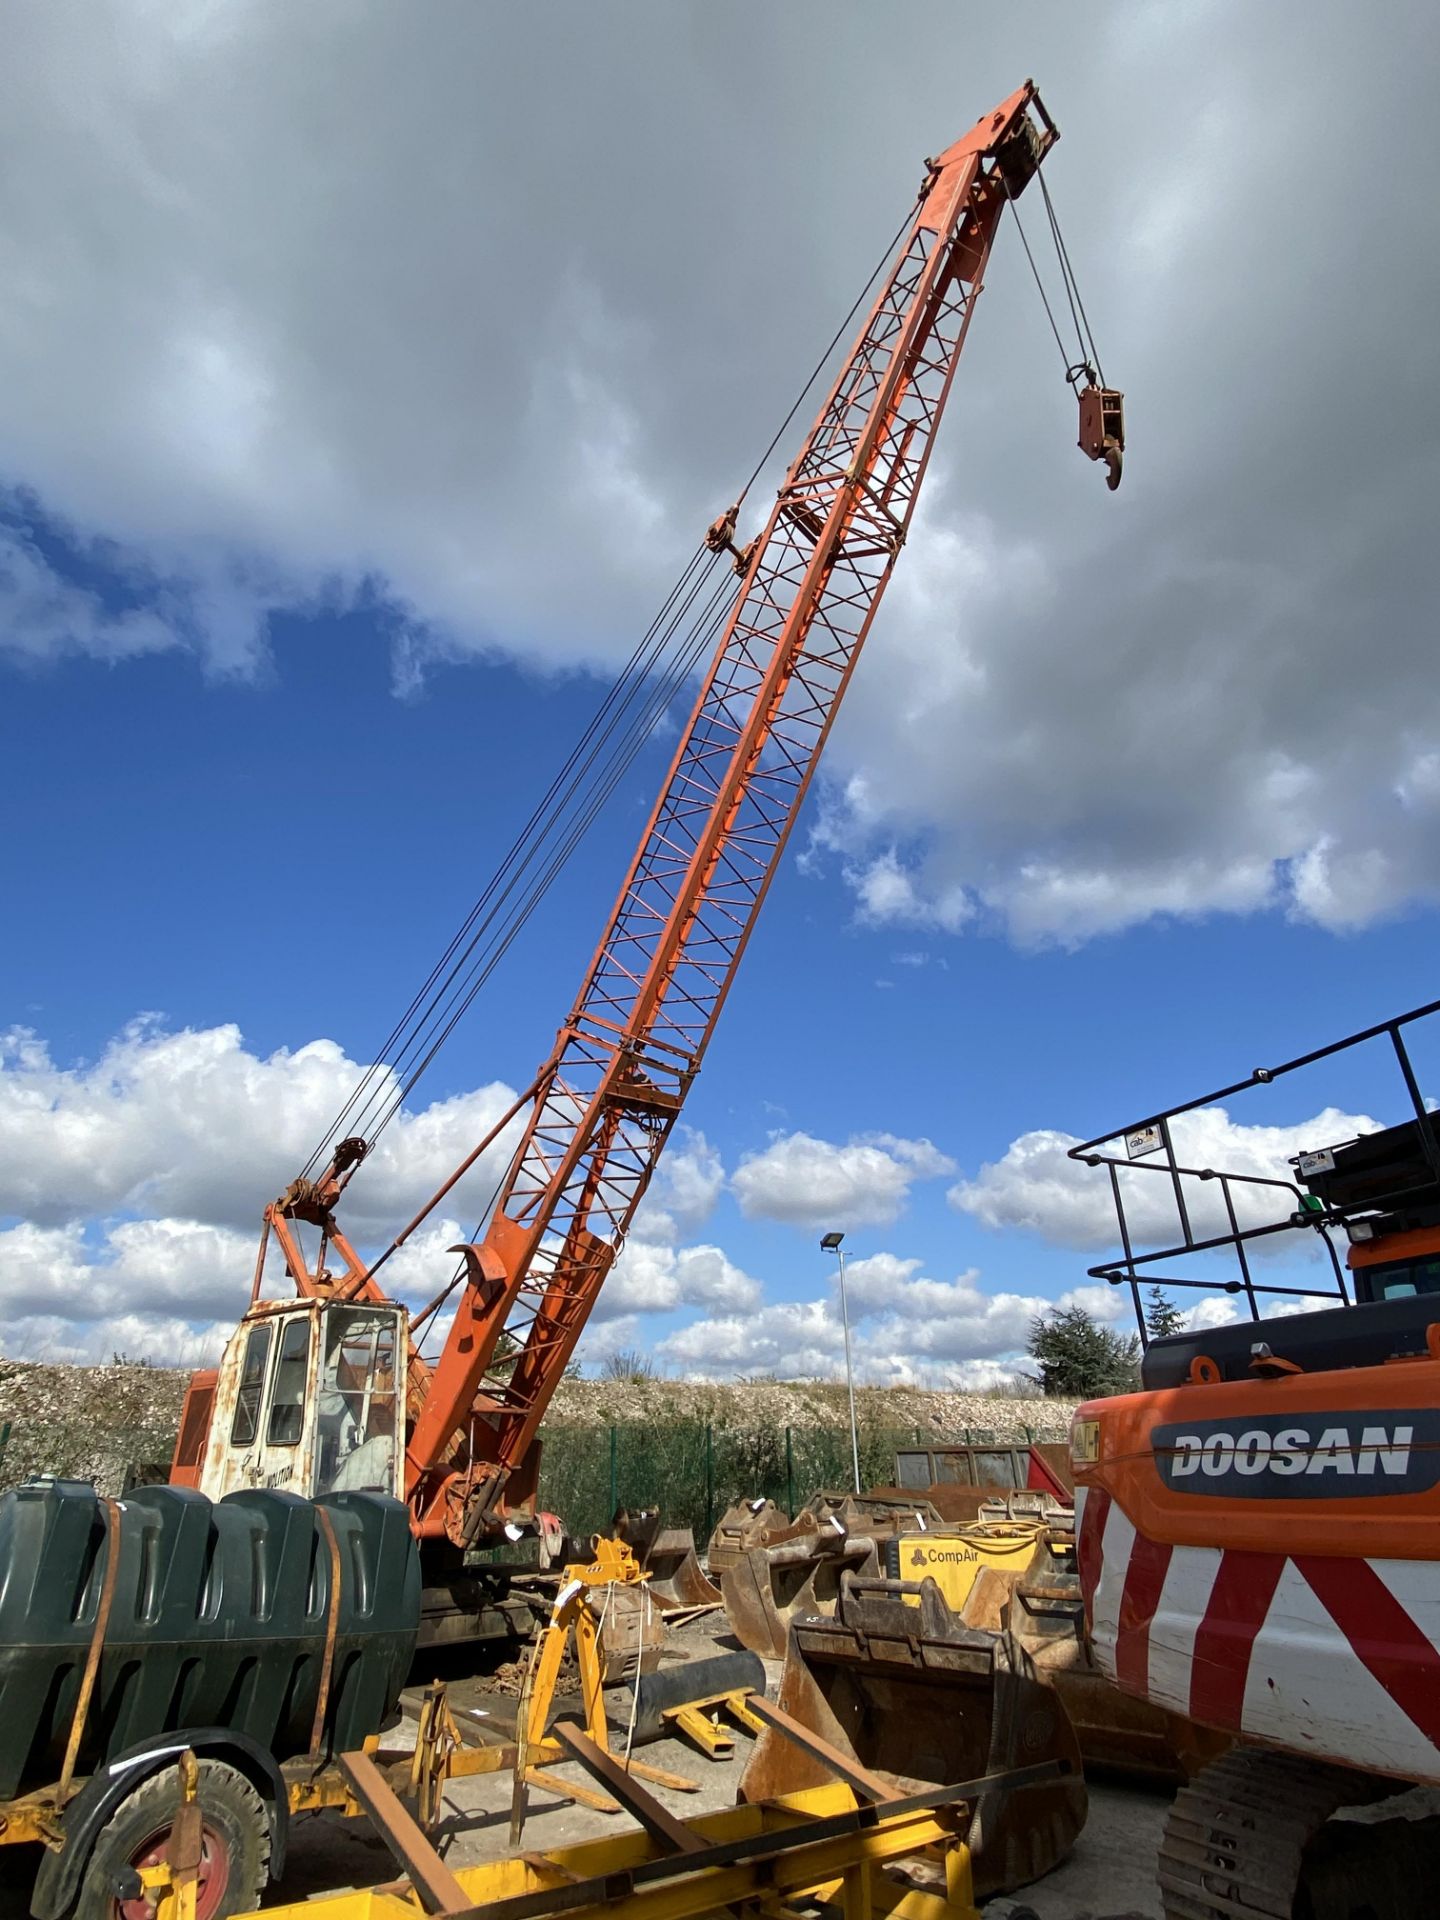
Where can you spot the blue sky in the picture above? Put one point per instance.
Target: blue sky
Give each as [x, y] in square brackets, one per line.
[1132, 794]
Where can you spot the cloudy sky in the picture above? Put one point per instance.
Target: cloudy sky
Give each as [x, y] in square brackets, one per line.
[367, 374]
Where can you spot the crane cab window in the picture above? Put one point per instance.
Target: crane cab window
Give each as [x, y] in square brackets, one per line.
[246, 1423]
[357, 1402]
[287, 1396]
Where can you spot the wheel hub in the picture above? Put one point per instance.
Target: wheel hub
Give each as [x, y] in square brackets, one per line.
[211, 1882]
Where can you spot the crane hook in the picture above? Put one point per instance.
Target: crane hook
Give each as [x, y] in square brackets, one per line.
[1102, 428]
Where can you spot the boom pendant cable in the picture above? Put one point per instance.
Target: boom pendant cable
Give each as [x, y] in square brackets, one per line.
[657, 668]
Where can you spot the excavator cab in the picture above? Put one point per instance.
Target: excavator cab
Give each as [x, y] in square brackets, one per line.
[308, 1398]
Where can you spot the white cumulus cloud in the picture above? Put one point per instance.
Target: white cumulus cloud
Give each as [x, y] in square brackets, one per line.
[136, 1181]
[808, 1182]
[320, 306]
[191, 1124]
[906, 1329]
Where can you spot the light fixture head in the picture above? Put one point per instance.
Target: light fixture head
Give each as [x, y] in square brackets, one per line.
[831, 1241]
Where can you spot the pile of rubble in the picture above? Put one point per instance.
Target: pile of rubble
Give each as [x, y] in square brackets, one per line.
[113, 1425]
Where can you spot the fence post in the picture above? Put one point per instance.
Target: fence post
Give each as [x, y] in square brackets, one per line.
[614, 1471]
[4, 1441]
[789, 1475]
[709, 1480]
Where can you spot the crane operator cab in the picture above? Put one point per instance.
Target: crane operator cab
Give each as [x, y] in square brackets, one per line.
[308, 1398]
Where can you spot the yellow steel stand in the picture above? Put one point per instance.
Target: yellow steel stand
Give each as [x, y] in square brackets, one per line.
[699, 1721]
[171, 1887]
[614, 1565]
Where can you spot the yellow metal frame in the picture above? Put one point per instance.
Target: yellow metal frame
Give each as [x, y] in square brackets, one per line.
[699, 1721]
[840, 1870]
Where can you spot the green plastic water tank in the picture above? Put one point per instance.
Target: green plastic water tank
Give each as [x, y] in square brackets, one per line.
[218, 1619]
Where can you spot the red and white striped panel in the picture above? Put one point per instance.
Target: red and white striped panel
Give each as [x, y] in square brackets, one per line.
[1330, 1656]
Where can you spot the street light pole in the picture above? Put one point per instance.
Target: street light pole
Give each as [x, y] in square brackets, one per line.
[831, 1244]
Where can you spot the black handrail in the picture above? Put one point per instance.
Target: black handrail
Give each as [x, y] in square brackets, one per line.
[1306, 1212]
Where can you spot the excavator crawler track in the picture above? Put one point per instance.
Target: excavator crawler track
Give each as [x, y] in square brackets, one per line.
[1235, 1841]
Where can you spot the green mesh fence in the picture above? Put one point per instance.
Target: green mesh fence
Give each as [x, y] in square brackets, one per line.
[688, 1468]
[693, 1471]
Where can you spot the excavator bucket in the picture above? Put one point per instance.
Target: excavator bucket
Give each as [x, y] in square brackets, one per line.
[668, 1555]
[768, 1587]
[894, 1682]
[744, 1524]
[796, 1569]
[1017, 1575]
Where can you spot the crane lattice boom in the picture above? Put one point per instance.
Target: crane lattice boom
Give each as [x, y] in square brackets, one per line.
[606, 1100]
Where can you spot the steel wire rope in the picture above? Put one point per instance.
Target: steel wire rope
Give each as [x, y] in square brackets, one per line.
[358, 1110]
[1089, 358]
[1065, 276]
[1039, 284]
[699, 642]
[631, 675]
[835, 340]
[1072, 285]
[460, 993]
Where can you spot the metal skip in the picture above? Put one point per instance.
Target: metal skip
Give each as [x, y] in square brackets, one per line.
[768, 1587]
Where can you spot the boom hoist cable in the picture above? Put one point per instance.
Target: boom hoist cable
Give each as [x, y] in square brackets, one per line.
[667, 654]
[603, 1104]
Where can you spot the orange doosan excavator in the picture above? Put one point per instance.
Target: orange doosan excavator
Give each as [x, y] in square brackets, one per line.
[329, 1392]
[1259, 1525]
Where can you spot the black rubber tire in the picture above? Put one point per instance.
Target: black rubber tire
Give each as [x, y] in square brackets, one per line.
[230, 1808]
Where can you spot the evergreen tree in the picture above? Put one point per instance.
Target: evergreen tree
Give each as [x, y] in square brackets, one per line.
[1162, 1316]
[1081, 1360]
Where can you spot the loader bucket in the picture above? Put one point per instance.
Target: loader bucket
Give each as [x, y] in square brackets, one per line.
[668, 1555]
[912, 1695]
[879, 1514]
[768, 1587]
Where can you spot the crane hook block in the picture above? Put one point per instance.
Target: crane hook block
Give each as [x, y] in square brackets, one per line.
[1102, 429]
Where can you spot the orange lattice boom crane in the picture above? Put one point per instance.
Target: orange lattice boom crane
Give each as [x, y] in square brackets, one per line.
[596, 1119]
